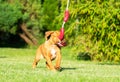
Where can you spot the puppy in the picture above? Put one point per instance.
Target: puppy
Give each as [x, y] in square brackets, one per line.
[50, 50]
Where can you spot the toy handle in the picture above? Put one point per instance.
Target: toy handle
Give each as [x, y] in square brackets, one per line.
[66, 16]
[61, 34]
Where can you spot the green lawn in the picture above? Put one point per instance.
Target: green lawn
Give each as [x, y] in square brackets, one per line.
[16, 66]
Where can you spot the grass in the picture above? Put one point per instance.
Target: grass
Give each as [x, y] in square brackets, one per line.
[16, 66]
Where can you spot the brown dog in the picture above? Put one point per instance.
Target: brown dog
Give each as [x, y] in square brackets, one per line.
[49, 50]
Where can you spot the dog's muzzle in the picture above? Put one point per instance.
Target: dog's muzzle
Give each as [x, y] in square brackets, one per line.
[61, 44]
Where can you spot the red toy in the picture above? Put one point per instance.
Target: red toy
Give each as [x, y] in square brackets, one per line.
[66, 17]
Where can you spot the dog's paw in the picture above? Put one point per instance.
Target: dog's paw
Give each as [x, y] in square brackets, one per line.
[34, 66]
[58, 68]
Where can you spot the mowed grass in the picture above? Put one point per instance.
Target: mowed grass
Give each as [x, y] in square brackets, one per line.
[16, 66]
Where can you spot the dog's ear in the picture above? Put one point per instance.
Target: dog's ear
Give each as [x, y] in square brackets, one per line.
[48, 34]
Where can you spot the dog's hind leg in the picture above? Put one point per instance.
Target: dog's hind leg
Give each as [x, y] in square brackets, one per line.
[47, 65]
[37, 59]
[35, 62]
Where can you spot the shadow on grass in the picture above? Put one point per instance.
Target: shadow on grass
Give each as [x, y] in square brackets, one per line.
[83, 56]
[2, 57]
[67, 68]
[62, 69]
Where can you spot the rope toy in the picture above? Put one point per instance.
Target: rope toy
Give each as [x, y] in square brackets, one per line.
[66, 17]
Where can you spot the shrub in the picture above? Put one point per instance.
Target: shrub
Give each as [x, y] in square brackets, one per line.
[95, 28]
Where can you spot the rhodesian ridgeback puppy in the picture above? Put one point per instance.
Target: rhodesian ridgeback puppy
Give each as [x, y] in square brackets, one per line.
[49, 50]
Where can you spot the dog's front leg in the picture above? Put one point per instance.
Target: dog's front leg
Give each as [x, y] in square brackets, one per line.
[58, 61]
[37, 58]
[49, 64]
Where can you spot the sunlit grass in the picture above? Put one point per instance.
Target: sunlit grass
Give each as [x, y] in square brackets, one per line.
[16, 66]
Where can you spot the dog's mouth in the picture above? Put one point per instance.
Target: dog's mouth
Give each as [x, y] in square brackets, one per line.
[62, 43]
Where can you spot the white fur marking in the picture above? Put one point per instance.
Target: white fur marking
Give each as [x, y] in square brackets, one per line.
[53, 52]
[41, 56]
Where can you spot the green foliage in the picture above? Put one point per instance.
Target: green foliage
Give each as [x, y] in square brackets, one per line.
[94, 28]
[49, 13]
[31, 15]
[13, 13]
[9, 15]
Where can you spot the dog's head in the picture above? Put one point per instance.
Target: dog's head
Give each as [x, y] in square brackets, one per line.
[54, 37]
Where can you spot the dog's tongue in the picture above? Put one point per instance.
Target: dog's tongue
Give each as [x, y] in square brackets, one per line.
[61, 34]
[62, 44]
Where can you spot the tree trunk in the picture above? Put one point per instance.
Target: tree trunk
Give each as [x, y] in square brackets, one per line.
[26, 39]
[30, 36]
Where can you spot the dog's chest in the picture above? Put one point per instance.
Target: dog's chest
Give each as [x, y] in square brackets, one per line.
[53, 51]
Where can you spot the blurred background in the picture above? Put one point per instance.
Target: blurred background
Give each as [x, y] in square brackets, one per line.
[92, 32]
